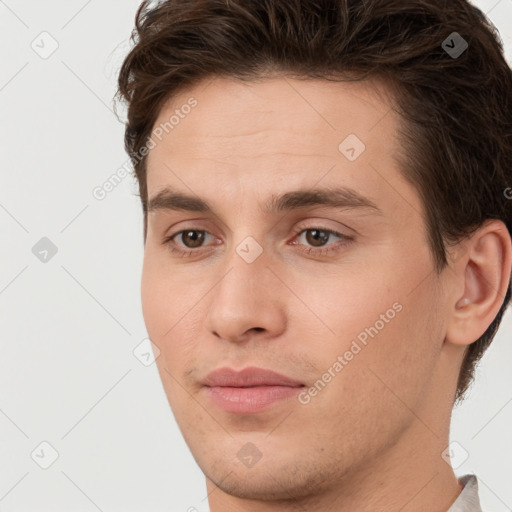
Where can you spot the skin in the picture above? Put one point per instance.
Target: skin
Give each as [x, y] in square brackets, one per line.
[372, 439]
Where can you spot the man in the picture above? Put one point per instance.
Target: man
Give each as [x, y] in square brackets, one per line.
[326, 197]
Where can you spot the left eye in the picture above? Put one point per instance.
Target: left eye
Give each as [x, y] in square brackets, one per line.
[318, 236]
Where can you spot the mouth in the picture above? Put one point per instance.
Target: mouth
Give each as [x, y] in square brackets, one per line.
[249, 391]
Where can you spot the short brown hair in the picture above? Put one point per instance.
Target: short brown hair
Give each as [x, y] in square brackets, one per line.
[456, 133]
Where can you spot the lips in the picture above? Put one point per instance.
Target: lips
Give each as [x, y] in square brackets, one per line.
[249, 391]
[248, 377]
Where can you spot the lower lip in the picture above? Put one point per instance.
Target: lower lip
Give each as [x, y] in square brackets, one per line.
[249, 400]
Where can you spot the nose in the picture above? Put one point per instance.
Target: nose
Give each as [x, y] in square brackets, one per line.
[248, 299]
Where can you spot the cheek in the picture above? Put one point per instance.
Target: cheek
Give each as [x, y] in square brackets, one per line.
[154, 299]
[166, 293]
[162, 306]
[402, 339]
[377, 318]
[347, 303]
[165, 323]
[171, 313]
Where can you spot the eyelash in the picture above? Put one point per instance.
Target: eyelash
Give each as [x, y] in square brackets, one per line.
[316, 251]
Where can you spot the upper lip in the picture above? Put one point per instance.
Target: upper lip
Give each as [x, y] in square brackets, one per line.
[248, 377]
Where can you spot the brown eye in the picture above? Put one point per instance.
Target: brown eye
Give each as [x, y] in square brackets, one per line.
[317, 237]
[314, 240]
[189, 242]
[192, 238]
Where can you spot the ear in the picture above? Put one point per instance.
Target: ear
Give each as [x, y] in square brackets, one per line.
[481, 278]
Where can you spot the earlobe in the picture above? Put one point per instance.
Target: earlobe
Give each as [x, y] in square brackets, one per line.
[483, 273]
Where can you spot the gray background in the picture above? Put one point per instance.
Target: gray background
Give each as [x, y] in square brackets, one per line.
[68, 373]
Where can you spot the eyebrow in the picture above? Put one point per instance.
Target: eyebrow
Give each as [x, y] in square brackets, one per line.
[339, 197]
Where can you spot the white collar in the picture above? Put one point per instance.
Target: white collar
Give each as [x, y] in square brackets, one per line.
[468, 500]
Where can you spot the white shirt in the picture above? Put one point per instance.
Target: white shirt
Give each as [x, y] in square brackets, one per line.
[468, 500]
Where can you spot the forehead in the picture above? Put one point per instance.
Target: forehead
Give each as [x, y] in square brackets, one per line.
[277, 133]
[305, 113]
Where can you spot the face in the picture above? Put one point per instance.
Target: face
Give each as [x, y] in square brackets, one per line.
[338, 295]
